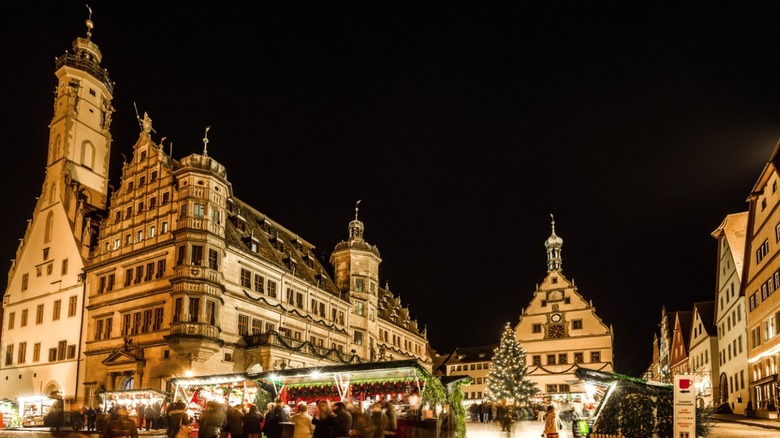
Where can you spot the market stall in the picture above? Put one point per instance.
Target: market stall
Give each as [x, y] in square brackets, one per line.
[34, 409]
[133, 399]
[9, 410]
[420, 400]
[227, 389]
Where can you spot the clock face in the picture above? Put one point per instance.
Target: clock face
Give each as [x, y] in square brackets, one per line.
[555, 317]
[555, 331]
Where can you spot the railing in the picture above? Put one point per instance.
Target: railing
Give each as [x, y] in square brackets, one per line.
[199, 224]
[198, 272]
[88, 65]
[194, 329]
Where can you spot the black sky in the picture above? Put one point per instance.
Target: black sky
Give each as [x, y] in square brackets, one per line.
[460, 126]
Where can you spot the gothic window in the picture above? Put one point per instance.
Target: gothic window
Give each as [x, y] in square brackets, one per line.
[49, 227]
[88, 155]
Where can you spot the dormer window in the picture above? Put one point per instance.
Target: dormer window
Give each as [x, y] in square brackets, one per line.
[254, 244]
[241, 224]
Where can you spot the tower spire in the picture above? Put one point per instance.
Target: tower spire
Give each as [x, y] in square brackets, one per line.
[554, 246]
[206, 142]
[89, 23]
[355, 226]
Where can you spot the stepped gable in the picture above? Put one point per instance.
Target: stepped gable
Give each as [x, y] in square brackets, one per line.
[391, 310]
[275, 244]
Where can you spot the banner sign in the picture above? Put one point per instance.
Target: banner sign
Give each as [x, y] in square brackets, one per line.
[684, 406]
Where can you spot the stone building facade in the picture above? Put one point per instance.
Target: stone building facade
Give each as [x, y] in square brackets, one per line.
[172, 274]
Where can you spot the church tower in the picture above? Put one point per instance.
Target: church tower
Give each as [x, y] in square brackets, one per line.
[44, 300]
[356, 274]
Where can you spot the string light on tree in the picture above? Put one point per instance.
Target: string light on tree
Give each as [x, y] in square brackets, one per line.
[507, 382]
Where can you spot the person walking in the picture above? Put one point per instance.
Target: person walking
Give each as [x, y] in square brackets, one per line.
[120, 425]
[304, 427]
[177, 417]
[253, 421]
[324, 420]
[379, 420]
[212, 421]
[91, 417]
[551, 423]
[342, 424]
[274, 419]
[235, 419]
[392, 424]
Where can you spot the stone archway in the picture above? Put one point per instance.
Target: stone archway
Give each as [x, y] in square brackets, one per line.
[724, 389]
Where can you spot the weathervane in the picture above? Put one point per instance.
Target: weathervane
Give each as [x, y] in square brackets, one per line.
[89, 23]
[356, 209]
[206, 142]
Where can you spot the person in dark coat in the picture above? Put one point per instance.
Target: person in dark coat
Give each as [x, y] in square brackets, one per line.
[91, 417]
[176, 417]
[324, 420]
[272, 426]
[343, 421]
[253, 421]
[235, 419]
[212, 421]
[120, 425]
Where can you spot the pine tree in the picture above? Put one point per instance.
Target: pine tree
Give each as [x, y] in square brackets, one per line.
[506, 381]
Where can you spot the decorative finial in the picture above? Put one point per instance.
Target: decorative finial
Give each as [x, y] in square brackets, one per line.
[356, 209]
[90, 25]
[552, 219]
[206, 142]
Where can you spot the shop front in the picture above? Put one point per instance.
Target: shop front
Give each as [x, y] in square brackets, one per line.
[40, 410]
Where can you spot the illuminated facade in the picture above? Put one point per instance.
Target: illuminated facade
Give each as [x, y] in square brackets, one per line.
[761, 282]
[730, 314]
[44, 299]
[174, 275]
[702, 353]
[560, 331]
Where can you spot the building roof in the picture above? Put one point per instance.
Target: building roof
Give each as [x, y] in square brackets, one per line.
[706, 310]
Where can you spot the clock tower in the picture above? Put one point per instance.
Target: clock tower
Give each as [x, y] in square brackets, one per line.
[560, 331]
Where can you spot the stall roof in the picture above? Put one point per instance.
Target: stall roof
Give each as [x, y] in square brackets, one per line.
[398, 369]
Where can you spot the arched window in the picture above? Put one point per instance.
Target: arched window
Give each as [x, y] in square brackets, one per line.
[88, 154]
[49, 227]
[127, 383]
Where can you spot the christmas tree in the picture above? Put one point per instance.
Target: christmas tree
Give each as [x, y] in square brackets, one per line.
[506, 382]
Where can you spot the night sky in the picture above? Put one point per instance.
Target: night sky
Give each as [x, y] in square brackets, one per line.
[460, 126]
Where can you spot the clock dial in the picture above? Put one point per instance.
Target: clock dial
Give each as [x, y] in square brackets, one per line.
[555, 317]
[555, 331]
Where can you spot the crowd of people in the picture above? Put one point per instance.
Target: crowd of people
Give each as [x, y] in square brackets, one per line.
[324, 419]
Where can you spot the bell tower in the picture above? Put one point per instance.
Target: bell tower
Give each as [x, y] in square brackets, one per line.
[79, 138]
[46, 277]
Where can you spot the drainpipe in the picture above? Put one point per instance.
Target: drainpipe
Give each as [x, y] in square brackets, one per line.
[83, 277]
